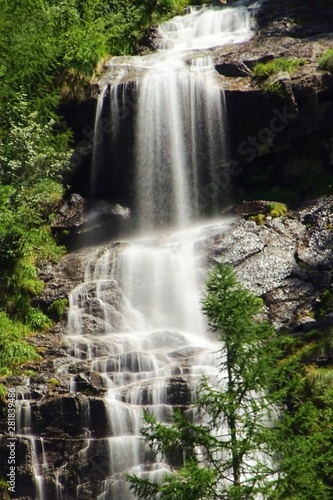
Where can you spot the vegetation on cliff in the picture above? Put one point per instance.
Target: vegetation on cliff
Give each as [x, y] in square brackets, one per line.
[326, 61]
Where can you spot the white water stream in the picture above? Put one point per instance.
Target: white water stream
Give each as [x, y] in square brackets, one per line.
[137, 316]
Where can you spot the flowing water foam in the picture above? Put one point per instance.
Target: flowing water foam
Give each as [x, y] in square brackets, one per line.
[136, 318]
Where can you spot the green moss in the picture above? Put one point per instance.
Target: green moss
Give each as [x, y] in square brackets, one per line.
[276, 88]
[326, 61]
[262, 71]
[53, 382]
[277, 209]
[259, 219]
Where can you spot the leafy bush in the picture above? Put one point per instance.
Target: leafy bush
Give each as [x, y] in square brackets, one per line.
[326, 61]
[30, 148]
[264, 70]
[14, 350]
[37, 320]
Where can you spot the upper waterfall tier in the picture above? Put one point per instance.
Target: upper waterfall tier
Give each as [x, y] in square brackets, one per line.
[206, 27]
[201, 28]
[178, 119]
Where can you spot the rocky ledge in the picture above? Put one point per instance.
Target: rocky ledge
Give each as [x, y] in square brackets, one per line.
[287, 260]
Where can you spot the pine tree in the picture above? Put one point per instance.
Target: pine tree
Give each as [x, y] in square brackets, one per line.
[227, 454]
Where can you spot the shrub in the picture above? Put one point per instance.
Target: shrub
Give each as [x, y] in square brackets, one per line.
[326, 61]
[37, 320]
[58, 308]
[14, 350]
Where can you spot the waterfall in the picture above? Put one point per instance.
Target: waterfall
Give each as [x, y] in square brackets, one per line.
[36, 444]
[180, 124]
[136, 318]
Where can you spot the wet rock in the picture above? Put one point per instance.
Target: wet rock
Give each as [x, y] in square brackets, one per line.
[89, 221]
[178, 392]
[286, 260]
[24, 480]
[84, 385]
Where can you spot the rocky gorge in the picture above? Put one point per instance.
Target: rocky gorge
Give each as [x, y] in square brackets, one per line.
[280, 149]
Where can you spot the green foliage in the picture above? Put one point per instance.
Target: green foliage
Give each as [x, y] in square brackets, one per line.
[259, 219]
[192, 481]
[33, 159]
[3, 391]
[264, 70]
[37, 320]
[4, 489]
[326, 302]
[58, 308]
[276, 88]
[53, 381]
[277, 209]
[326, 61]
[14, 350]
[30, 150]
[56, 46]
[304, 436]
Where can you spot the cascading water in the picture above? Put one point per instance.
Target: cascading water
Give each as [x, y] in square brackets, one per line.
[136, 319]
[180, 124]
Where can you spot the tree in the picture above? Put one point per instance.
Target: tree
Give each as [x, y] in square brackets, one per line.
[227, 454]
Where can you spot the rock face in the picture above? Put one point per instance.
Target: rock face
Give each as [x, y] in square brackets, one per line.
[286, 260]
